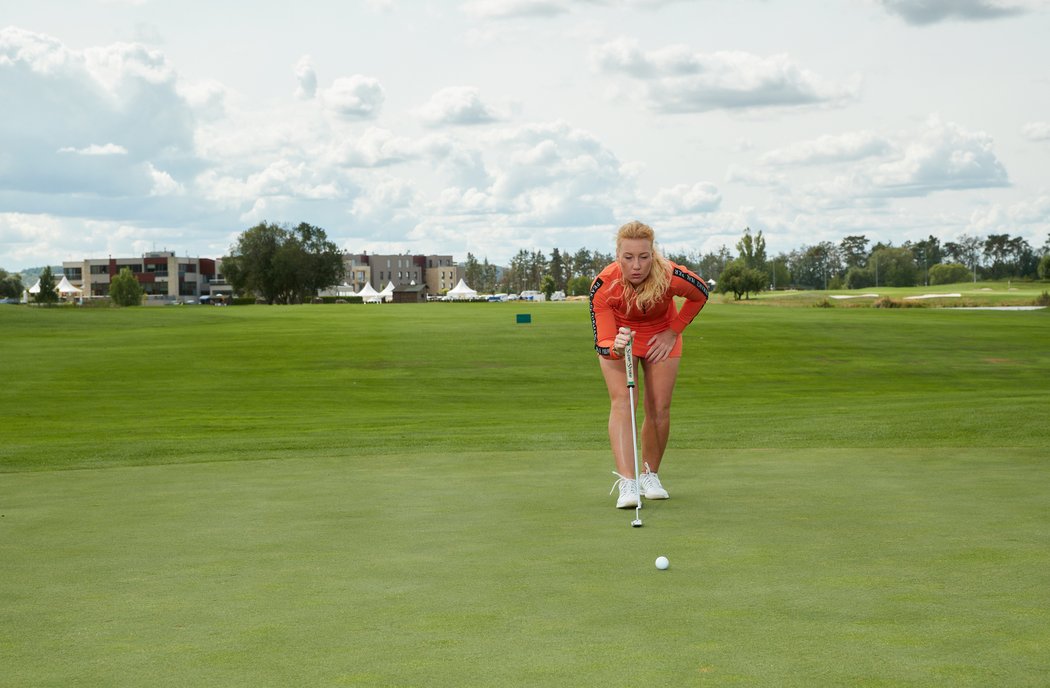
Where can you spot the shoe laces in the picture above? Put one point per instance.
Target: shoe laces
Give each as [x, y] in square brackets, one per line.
[625, 484]
[650, 478]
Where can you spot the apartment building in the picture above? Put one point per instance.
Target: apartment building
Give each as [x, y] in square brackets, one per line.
[161, 274]
[438, 272]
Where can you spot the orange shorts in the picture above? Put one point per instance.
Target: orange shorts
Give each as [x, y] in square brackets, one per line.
[641, 342]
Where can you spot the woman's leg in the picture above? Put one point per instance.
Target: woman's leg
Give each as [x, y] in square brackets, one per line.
[659, 388]
[620, 437]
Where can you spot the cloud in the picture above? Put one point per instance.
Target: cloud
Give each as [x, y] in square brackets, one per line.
[509, 9]
[457, 105]
[375, 148]
[546, 9]
[1025, 217]
[943, 156]
[702, 197]
[355, 97]
[676, 80]
[847, 147]
[96, 149]
[1036, 131]
[306, 77]
[89, 122]
[922, 12]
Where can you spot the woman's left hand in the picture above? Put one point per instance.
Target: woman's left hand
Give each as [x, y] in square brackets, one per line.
[660, 345]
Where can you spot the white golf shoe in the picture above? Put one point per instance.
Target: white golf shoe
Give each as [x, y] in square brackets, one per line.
[628, 498]
[650, 485]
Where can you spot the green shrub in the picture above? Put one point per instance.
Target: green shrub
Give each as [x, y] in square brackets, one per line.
[949, 273]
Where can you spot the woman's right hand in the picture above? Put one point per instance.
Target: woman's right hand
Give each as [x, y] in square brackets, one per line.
[623, 338]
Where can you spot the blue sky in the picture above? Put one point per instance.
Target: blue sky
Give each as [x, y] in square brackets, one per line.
[491, 126]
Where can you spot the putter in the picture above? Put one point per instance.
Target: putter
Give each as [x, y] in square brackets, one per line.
[629, 358]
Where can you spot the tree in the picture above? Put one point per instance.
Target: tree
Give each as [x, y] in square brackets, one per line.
[926, 252]
[1044, 267]
[816, 267]
[280, 264]
[48, 293]
[124, 289]
[741, 280]
[712, 264]
[895, 267]
[966, 251]
[547, 287]
[854, 251]
[472, 271]
[948, 273]
[10, 285]
[580, 285]
[752, 250]
[556, 266]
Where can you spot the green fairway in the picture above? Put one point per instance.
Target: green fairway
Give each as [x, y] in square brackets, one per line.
[417, 495]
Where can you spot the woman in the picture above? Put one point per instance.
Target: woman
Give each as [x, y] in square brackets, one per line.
[633, 299]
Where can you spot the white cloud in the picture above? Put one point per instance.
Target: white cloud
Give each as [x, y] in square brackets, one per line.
[943, 156]
[922, 12]
[88, 121]
[378, 147]
[868, 168]
[506, 9]
[355, 97]
[96, 149]
[457, 105]
[847, 147]
[1026, 217]
[676, 79]
[702, 197]
[306, 77]
[1036, 131]
[163, 183]
[546, 9]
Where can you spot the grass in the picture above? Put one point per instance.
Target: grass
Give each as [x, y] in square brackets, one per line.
[416, 496]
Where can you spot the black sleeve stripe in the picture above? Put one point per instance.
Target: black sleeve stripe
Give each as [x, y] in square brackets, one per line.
[696, 282]
[603, 350]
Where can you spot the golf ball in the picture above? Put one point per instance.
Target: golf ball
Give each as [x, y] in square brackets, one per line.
[662, 563]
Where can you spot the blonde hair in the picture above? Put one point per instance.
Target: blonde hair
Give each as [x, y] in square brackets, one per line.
[655, 286]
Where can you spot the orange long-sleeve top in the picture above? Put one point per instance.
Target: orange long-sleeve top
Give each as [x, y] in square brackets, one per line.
[610, 309]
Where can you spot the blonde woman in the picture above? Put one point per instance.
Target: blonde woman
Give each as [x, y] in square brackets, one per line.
[633, 299]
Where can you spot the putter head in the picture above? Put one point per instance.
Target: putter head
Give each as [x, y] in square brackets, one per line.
[636, 523]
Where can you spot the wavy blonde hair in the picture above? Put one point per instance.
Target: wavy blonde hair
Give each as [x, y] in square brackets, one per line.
[652, 290]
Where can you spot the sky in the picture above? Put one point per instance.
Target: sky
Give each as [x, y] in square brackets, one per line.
[493, 126]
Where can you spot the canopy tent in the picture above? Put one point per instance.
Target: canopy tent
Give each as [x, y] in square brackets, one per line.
[388, 292]
[461, 291]
[66, 288]
[344, 289]
[368, 294]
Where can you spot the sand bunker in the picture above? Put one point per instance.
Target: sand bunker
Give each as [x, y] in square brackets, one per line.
[934, 296]
[854, 296]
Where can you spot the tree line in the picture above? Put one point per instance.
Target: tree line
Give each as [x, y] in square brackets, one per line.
[291, 264]
[852, 263]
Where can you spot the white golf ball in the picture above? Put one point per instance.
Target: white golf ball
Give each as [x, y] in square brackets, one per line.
[662, 563]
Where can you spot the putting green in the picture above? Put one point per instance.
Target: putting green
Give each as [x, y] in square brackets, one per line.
[418, 496]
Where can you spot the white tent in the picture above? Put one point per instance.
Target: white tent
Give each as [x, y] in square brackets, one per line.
[35, 289]
[388, 292]
[369, 294]
[66, 288]
[344, 289]
[461, 291]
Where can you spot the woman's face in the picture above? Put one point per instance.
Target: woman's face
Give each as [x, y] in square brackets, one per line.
[635, 259]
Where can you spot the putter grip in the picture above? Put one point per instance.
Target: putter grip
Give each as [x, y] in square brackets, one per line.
[628, 357]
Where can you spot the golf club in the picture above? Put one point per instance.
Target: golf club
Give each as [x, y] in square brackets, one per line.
[629, 358]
